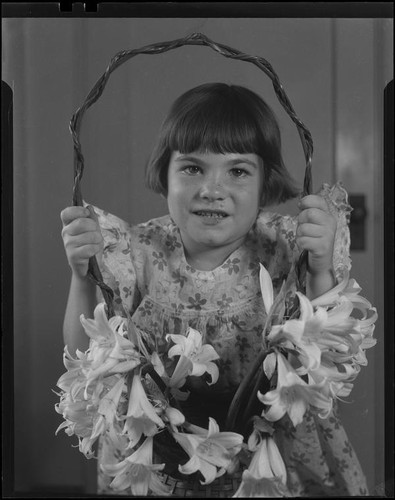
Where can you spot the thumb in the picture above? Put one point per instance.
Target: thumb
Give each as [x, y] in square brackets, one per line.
[95, 217]
[93, 214]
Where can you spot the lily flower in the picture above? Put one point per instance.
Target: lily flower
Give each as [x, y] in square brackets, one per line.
[330, 297]
[141, 417]
[104, 417]
[80, 419]
[162, 407]
[293, 395]
[211, 452]
[78, 362]
[137, 473]
[174, 416]
[333, 376]
[110, 352]
[195, 358]
[109, 403]
[346, 287]
[340, 302]
[266, 475]
[301, 334]
[75, 369]
[183, 369]
[81, 411]
[100, 329]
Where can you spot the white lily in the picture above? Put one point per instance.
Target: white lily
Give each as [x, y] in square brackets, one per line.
[301, 334]
[109, 402]
[80, 410]
[332, 296]
[75, 369]
[110, 351]
[100, 328]
[195, 358]
[211, 452]
[137, 473]
[141, 417]
[293, 395]
[266, 475]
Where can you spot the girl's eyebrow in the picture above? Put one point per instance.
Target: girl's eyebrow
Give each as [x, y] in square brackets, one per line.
[233, 161]
[189, 158]
[238, 161]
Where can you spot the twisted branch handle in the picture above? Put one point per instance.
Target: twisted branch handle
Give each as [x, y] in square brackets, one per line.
[158, 48]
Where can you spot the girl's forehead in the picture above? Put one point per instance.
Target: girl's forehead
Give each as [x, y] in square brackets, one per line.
[208, 156]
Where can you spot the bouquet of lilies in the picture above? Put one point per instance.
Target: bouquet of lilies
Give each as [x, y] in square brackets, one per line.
[311, 353]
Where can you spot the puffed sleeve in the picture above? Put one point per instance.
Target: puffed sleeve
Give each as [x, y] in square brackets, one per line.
[337, 199]
[116, 263]
[281, 231]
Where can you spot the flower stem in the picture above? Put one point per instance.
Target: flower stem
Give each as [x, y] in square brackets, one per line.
[149, 369]
[239, 395]
[253, 396]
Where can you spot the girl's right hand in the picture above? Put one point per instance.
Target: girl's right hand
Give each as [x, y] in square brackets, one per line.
[82, 238]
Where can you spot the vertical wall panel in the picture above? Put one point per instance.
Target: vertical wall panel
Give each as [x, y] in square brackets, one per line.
[359, 107]
[38, 64]
[13, 59]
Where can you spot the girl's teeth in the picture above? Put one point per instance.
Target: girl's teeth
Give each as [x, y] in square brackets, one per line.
[211, 214]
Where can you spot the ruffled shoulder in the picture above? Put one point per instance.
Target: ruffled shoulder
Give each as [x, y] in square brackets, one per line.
[282, 228]
[116, 264]
[336, 197]
[276, 237]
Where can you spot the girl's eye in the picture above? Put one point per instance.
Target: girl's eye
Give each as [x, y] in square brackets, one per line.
[239, 172]
[191, 169]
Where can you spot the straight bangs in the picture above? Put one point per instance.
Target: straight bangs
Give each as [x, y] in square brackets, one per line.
[214, 128]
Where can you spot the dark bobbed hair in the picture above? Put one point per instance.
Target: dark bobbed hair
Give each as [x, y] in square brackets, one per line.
[222, 118]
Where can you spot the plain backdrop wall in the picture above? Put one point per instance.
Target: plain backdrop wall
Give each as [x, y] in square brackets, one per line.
[334, 72]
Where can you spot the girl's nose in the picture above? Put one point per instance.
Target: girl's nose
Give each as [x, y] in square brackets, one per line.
[212, 190]
[212, 187]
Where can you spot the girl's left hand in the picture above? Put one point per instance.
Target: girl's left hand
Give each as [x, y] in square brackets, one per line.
[316, 233]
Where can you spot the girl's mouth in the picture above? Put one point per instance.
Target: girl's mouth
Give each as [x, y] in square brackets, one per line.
[212, 214]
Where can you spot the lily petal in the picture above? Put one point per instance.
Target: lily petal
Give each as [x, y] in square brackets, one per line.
[266, 288]
[139, 406]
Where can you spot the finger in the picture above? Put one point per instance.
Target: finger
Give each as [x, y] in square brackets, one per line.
[76, 230]
[80, 226]
[316, 247]
[314, 216]
[71, 213]
[303, 243]
[310, 230]
[313, 201]
[92, 213]
[87, 238]
[84, 252]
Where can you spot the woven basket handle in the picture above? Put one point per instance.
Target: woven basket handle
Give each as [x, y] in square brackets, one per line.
[158, 48]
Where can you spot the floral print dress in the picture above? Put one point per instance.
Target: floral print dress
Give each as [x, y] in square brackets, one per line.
[146, 268]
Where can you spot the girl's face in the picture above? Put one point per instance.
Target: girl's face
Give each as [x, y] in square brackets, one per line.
[214, 200]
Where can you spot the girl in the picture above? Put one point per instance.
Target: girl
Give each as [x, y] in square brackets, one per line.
[218, 163]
